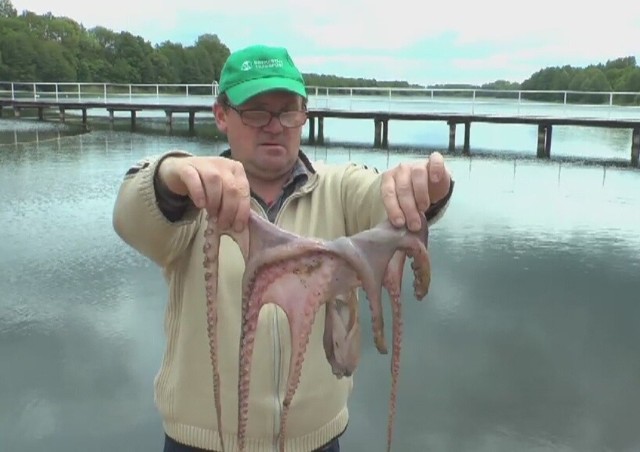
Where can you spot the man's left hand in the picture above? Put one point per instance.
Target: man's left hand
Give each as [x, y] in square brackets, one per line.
[410, 188]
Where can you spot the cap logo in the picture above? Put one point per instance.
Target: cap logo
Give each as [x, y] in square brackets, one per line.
[270, 63]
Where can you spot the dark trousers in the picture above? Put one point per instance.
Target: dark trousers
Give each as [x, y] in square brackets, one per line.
[171, 445]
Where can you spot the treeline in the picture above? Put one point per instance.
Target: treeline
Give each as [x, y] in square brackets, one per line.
[58, 49]
[334, 82]
[46, 48]
[619, 75]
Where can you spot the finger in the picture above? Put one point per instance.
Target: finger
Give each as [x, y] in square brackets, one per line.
[191, 179]
[212, 182]
[244, 203]
[439, 178]
[420, 181]
[436, 167]
[406, 197]
[229, 201]
[390, 200]
[234, 210]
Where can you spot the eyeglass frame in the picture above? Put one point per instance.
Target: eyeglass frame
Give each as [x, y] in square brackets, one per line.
[271, 115]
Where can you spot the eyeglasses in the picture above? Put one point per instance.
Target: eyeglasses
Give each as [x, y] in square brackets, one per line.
[260, 118]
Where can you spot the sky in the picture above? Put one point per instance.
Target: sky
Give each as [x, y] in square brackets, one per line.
[440, 42]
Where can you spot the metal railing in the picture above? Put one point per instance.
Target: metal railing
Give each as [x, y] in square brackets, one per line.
[447, 100]
[73, 91]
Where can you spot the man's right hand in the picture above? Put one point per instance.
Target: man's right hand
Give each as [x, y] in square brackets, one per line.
[216, 184]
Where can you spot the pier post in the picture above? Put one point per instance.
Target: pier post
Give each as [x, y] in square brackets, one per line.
[41, 113]
[169, 118]
[452, 136]
[467, 138]
[547, 143]
[540, 147]
[544, 143]
[84, 117]
[635, 147]
[385, 134]
[111, 116]
[133, 119]
[312, 130]
[192, 121]
[320, 130]
[377, 133]
[61, 114]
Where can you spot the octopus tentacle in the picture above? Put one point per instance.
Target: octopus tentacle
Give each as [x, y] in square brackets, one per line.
[375, 249]
[300, 275]
[253, 300]
[210, 249]
[301, 317]
[267, 287]
[420, 265]
[342, 335]
[281, 255]
[251, 311]
[358, 252]
[393, 284]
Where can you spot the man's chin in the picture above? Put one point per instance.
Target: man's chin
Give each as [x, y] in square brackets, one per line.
[274, 162]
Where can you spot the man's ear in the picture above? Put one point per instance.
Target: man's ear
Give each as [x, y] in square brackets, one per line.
[220, 115]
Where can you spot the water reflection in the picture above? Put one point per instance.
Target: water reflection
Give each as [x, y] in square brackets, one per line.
[30, 131]
[528, 340]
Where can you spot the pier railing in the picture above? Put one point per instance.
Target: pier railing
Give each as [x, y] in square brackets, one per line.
[107, 92]
[567, 103]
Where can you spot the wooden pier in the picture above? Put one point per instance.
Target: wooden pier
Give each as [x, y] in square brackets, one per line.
[381, 120]
[111, 108]
[545, 127]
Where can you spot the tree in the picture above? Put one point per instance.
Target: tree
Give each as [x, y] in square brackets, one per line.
[7, 9]
[48, 48]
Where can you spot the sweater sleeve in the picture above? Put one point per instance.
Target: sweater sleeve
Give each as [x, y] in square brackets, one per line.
[362, 199]
[140, 222]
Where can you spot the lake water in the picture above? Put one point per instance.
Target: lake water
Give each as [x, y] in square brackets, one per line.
[528, 341]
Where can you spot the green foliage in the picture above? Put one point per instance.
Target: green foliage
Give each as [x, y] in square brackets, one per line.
[45, 48]
[619, 75]
[7, 9]
[334, 81]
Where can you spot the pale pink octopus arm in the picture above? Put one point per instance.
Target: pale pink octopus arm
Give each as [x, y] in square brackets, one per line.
[369, 253]
[274, 254]
[338, 329]
[318, 271]
[341, 337]
[393, 284]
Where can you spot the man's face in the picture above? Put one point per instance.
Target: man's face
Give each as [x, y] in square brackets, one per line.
[268, 151]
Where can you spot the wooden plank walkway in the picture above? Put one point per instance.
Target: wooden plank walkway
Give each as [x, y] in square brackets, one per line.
[381, 120]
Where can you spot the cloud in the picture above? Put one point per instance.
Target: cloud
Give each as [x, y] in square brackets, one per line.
[363, 25]
[458, 42]
[372, 66]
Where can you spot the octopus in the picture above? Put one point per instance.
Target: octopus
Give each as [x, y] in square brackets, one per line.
[301, 275]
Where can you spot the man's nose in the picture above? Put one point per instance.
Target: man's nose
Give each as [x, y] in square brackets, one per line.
[273, 126]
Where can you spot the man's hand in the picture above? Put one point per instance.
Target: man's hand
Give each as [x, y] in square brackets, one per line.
[410, 188]
[216, 184]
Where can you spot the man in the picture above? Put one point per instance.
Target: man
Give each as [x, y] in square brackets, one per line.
[160, 211]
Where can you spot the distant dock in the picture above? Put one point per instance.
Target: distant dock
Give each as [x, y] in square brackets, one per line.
[52, 96]
[545, 127]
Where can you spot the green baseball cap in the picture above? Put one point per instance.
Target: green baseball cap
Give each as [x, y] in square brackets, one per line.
[257, 69]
